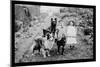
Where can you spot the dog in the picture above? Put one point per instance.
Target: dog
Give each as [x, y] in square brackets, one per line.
[39, 46]
[43, 45]
[60, 44]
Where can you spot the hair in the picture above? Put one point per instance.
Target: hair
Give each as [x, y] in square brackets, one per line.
[72, 22]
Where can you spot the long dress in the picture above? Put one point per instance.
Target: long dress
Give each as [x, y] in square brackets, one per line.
[71, 35]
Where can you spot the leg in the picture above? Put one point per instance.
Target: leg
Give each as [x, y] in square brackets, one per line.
[58, 49]
[33, 52]
[44, 32]
[43, 52]
[48, 52]
[53, 34]
[39, 51]
[62, 50]
[72, 47]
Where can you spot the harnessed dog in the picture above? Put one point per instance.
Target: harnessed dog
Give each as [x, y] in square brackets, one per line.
[60, 44]
[44, 45]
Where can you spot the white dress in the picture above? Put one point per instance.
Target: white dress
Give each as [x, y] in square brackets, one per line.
[71, 35]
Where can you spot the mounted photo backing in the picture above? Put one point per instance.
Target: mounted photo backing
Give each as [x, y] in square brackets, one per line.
[52, 33]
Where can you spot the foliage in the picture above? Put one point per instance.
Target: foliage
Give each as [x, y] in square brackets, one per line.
[85, 19]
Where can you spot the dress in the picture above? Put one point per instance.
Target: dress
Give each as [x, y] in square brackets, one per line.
[71, 35]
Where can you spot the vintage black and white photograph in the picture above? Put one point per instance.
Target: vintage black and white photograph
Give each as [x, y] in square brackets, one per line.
[45, 33]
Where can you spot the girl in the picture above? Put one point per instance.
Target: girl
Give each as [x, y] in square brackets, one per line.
[71, 33]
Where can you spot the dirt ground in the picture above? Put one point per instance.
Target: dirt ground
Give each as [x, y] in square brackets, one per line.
[82, 52]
